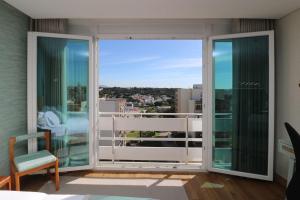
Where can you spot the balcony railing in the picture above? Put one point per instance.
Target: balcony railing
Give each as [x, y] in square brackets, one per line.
[149, 138]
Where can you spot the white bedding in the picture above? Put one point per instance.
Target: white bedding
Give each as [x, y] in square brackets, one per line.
[13, 195]
[76, 123]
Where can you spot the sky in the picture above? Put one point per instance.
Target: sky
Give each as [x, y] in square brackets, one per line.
[223, 64]
[150, 63]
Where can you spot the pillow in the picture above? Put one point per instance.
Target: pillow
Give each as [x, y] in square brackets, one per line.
[52, 119]
[41, 120]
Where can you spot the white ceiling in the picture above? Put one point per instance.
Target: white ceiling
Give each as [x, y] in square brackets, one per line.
[156, 9]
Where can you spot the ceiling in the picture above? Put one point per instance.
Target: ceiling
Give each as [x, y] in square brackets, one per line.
[156, 9]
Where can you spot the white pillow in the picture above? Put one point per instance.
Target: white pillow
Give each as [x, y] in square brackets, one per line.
[41, 120]
[52, 119]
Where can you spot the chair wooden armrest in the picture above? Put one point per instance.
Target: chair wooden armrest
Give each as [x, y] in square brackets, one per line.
[30, 163]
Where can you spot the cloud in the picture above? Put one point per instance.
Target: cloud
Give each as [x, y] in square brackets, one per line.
[179, 63]
[134, 60]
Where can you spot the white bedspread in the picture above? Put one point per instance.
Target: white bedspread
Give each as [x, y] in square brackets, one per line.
[14, 195]
[76, 123]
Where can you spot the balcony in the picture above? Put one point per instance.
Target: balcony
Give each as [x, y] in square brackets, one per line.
[149, 139]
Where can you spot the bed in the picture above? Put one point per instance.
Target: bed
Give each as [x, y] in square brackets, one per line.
[14, 195]
[74, 123]
[69, 135]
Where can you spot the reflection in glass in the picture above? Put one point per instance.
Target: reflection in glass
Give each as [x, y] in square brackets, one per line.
[62, 97]
[240, 99]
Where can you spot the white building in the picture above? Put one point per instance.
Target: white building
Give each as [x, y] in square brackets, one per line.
[197, 92]
[189, 100]
[182, 98]
[112, 105]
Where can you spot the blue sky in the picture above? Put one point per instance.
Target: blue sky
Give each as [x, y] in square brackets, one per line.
[223, 64]
[150, 63]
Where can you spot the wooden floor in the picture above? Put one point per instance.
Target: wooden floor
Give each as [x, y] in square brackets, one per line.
[202, 186]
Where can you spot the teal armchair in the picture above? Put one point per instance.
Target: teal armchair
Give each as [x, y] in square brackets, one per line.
[32, 162]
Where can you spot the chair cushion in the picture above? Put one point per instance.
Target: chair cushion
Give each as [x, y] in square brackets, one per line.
[33, 160]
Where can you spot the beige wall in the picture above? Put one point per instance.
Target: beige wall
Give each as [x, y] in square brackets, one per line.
[287, 80]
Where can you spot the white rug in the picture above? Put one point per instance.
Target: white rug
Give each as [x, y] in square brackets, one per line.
[163, 189]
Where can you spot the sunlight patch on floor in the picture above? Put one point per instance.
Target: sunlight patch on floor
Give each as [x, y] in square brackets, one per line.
[126, 182]
[209, 185]
[171, 183]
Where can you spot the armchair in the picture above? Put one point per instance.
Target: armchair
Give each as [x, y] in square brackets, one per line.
[32, 162]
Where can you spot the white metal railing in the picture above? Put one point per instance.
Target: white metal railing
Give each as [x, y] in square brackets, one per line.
[117, 122]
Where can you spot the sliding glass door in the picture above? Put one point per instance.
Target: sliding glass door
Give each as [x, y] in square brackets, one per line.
[62, 96]
[242, 105]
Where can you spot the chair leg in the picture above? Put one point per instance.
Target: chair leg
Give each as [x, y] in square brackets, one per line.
[17, 182]
[56, 176]
[12, 177]
[9, 185]
[49, 174]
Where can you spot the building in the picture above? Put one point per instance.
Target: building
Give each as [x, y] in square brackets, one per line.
[189, 100]
[112, 105]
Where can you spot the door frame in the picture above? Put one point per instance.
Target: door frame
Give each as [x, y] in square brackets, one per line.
[32, 91]
[205, 80]
[210, 70]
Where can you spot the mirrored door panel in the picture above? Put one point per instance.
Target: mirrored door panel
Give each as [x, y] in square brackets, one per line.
[63, 96]
[241, 105]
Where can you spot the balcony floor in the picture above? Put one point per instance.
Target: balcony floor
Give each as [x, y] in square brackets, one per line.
[202, 186]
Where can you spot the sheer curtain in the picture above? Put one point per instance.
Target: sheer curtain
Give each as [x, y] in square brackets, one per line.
[49, 25]
[252, 25]
[52, 94]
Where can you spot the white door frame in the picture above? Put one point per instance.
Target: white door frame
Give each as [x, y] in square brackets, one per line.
[204, 71]
[270, 34]
[32, 91]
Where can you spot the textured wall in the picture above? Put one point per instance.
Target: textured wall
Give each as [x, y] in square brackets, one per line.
[287, 80]
[13, 62]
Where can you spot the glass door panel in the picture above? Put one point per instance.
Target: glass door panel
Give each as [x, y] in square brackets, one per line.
[241, 109]
[63, 97]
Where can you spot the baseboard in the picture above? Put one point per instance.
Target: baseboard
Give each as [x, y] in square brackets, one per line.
[280, 180]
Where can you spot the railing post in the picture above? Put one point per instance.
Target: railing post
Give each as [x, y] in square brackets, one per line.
[187, 139]
[113, 140]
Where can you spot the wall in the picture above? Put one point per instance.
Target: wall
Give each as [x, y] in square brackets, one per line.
[13, 62]
[287, 80]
